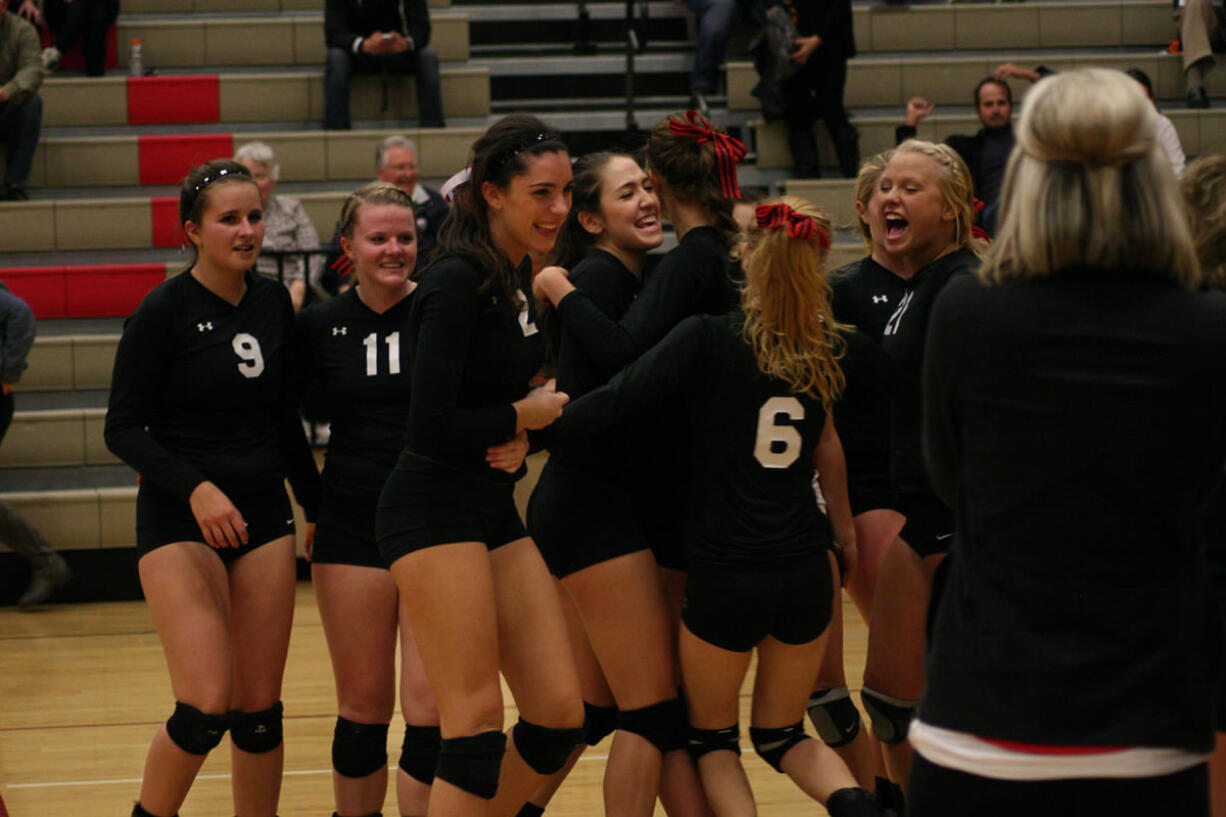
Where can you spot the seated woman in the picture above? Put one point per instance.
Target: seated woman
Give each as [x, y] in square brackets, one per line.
[1075, 418]
[286, 226]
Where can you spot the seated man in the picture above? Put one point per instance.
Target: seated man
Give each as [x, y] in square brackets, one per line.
[987, 152]
[1202, 30]
[21, 108]
[379, 37]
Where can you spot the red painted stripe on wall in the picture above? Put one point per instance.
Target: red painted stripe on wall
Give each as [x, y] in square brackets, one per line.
[171, 100]
[167, 159]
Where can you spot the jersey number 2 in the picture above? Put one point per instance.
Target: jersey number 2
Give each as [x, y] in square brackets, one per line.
[777, 445]
[371, 342]
[251, 359]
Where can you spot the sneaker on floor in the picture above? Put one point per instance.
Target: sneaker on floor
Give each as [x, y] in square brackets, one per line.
[51, 58]
[14, 192]
[52, 573]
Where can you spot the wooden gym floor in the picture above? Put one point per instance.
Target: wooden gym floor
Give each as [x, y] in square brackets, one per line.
[83, 687]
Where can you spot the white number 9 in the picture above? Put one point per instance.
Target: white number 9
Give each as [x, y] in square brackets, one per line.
[770, 433]
[248, 348]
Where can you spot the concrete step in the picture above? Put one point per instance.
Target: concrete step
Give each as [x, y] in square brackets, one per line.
[206, 6]
[56, 437]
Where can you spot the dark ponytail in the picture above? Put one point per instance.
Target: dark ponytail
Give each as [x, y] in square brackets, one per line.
[692, 171]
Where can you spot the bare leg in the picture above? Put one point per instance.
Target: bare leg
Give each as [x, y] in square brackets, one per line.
[358, 608]
[262, 615]
[188, 596]
[786, 673]
[448, 595]
[875, 531]
[419, 709]
[713, 678]
[536, 661]
[1217, 776]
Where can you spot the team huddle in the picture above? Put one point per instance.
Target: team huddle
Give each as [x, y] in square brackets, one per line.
[734, 437]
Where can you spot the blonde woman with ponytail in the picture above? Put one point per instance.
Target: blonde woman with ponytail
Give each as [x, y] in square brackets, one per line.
[755, 388]
[1074, 416]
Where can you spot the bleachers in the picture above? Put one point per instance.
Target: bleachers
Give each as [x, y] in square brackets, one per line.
[102, 227]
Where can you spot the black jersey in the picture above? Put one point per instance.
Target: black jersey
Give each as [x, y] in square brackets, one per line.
[751, 440]
[696, 277]
[472, 357]
[903, 341]
[355, 362]
[611, 288]
[201, 391]
[864, 295]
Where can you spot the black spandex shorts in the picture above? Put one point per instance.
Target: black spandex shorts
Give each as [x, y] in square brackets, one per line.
[930, 523]
[425, 503]
[661, 500]
[345, 532]
[870, 492]
[163, 518]
[579, 519]
[736, 606]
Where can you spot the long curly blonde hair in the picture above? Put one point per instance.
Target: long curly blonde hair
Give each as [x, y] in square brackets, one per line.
[789, 322]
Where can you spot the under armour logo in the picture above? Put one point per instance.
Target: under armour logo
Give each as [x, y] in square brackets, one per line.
[340, 330]
[207, 326]
[880, 299]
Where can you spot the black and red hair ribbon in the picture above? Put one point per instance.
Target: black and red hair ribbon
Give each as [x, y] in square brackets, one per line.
[728, 149]
[799, 226]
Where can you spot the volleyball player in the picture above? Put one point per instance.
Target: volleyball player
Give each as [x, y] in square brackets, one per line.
[478, 595]
[200, 406]
[923, 208]
[755, 388]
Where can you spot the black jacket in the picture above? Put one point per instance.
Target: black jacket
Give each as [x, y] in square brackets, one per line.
[345, 21]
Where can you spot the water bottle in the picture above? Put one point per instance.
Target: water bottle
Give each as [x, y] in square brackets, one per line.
[136, 62]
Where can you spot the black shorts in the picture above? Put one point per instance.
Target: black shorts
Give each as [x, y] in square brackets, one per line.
[345, 531]
[163, 518]
[929, 528]
[870, 492]
[425, 503]
[661, 500]
[578, 519]
[736, 606]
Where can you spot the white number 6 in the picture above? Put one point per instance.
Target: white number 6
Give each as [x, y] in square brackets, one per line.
[771, 433]
[248, 348]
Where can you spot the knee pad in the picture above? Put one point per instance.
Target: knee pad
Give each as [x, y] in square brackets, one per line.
[419, 752]
[705, 741]
[834, 716]
[772, 744]
[852, 802]
[663, 724]
[598, 722]
[891, 717]
[138, 811]
[195, 732]
[543, 748]
[256, 732]
[358, 749]
[472, 763]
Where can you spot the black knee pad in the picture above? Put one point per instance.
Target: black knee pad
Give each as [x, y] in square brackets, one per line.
[543, 748]
[195, 732]
[852, 802]
[705, 741]
[663, 724]
[472, 763]
[772, 744]
[891, 717]
[598, 722]
[419, 752]
[256, 732]
[358, 749]
[137, 811]
[834, 716]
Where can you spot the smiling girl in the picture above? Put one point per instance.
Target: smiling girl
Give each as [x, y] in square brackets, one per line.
[200, 408]
[478, 595]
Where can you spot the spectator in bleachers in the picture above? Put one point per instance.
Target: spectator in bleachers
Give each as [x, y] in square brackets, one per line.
[715, 18]
[396, 164]
[987, 152]
[21, 108]
[1202, 31]
[286, 226]
[72, 20]
[1168, 137]
[379, 37]
[48, 570]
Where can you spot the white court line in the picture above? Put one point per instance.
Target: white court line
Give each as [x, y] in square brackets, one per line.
[128, 781]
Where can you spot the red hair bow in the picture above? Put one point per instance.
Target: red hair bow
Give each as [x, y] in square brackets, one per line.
[977, 205]
[728, 149]
[979, 232]
[798, 225]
